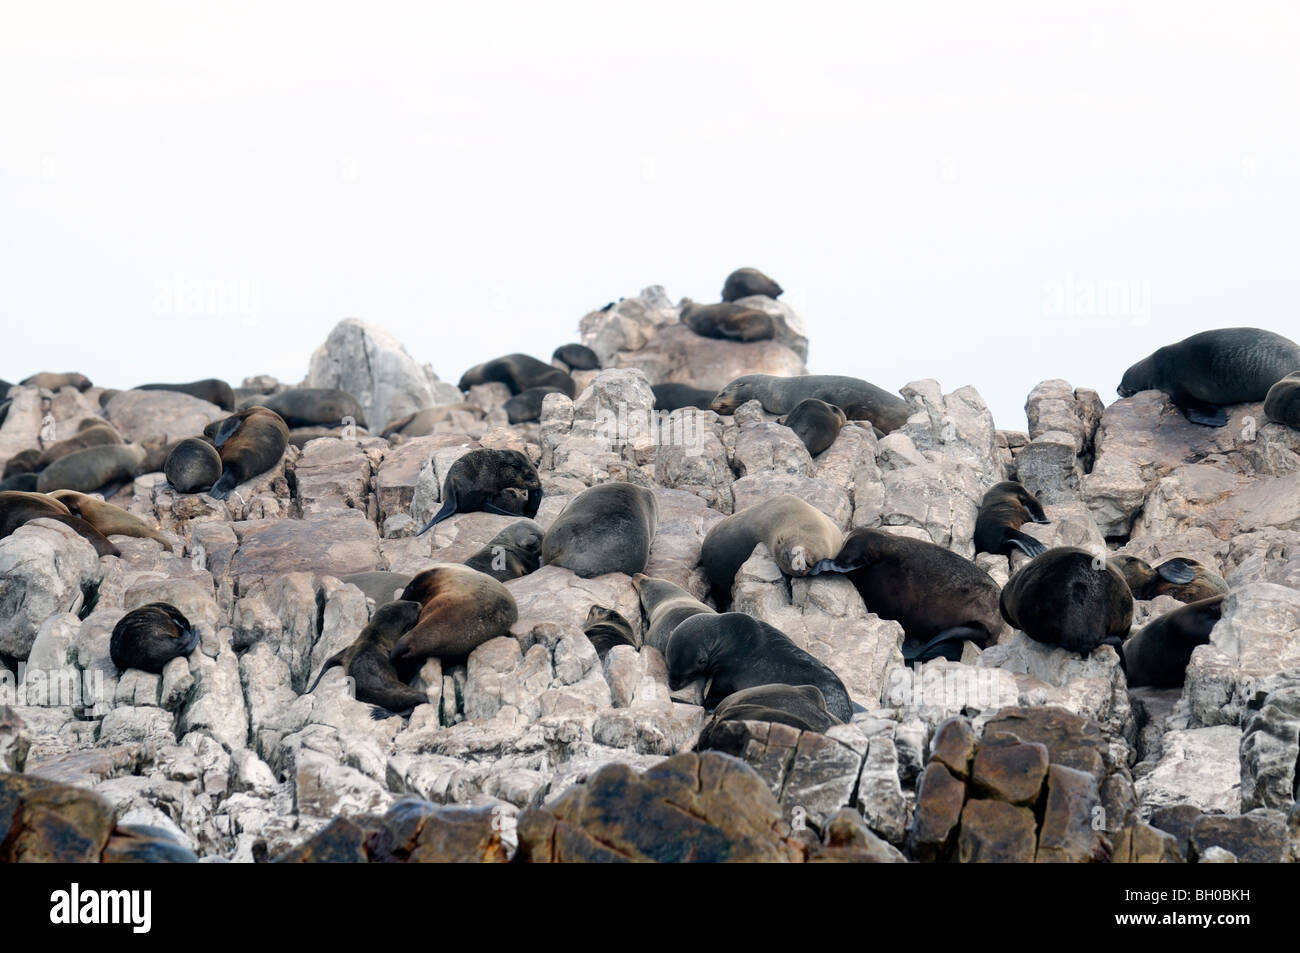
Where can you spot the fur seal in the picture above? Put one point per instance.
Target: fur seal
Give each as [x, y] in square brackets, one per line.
[107, 518]
[1184, 579]
[1203, 373]
[605, 528]
[665, 605]
[780, 395]
[744, 282]
[515, 551]
[1067, 597]
[527, 406]
[366, 661]
[1282, 402]
[249, 442]
[736, 652]
[25, 482]
[519, 372]
[731, 322]
[576, 357]
[482, 480]
[56, 382]
[799, 706]
[18, 507]
[211, 389]
[816, 423]
[798, 534]
[98, 434]
[421, 423]
[1006, 507]
[379, 586]
[310, 406]
[940, 598]
[461, 609]
[1158, 653]
[606, 628]
[93, 468]
[192, 466]
[25, 461]
[301, 436]
[149, 637]
[672, 397]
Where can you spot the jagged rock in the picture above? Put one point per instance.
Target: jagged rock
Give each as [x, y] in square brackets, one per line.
[995, 832]
[50, 822]
[1013, 773]
[1144, 844]
[332, 474]
[159, 416]
[849, 840]
[44, 567]
[1258, 837]
[939, 804]
[1270, 745]
[22, 423]
[1197, 766]
[14, 741]
[1068, 833]
[335, 543]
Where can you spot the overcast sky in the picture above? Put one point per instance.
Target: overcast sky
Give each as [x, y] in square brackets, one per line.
[988, 194]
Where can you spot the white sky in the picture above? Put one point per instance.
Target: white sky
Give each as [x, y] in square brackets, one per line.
[925, 180]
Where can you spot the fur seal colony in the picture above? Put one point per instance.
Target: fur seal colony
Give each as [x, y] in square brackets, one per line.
[573, 606]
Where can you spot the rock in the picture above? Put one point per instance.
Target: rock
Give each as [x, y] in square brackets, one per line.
[1069, 833]
[1198, 767]
[14, 742]
[849, 840]
[1013, 773]
[939, 804]
[1258, 837]
[335, 543]
[954, 746]
[1144, 844]
[1270, 745]
[994, 832]
[44, 567]
[159, 416]
[51, 823]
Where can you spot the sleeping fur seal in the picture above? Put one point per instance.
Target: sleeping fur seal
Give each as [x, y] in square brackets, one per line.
[192, 466]
[605, 528]
[576, 357]
[310, 406]
[816, 423]
[211, 389]
[606, 628]
[527, 406]
[149, 637]
[1005, 508]
[461, 609]
[728, 321]
[1157, 655]
[18, 508]
[482, 480]
[1282, 402]
[1184, 579]
[1067, 597]
[672, 397]
[665, 605]
[799, 706]
[56, 382]
[518, 372]
[744, 282]
[780, 395]
[96, 434]
[250, 443]
[93, 468]
[798, 534]
[515, 551]
[366, 661]
[109, 519]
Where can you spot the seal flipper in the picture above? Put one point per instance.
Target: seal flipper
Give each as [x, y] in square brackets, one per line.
[1025, 543]
[335, 659]
[379, 714]
[448, 509]
[225, 430]
[1207, 415]
[221, 489]
[947, 644]
[1178, 571]
[831, 565]
[489, 507]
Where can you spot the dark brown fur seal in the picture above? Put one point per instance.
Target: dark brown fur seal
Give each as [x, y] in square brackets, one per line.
[1070, 598]
[310, 406]
[462, 609]
[519, 372]
[666, 605]
[744, 282]
[149, 637]
[25, 461]
[816, 423]
[366, 661]
[1208, 371]
[731, 322]
[799, 706]
[107, 518]
[606, 628]
[576, 357]
[211, 389]
[482, 480]
[672, 397]
[93, 468]
[421, 423]
[56, 382]
[18, 508]
[798, 534]
[515, 551]
[25, 482]
[526, 407]
[940, 598]
[1184, 579]
[736, 652]
[605, 528]
[192, 466]
[250, 443]
[780, 395]
[1282, 402]
[1157, 655]
[1006, 507]
[97, 434]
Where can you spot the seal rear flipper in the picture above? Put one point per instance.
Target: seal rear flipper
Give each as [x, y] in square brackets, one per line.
[335, 659]
[947, 644]
[448, 509]
[1207, 415]
[379, 714]
[1025, 543]
[831, 565]
[1178, 571]
[221, 489]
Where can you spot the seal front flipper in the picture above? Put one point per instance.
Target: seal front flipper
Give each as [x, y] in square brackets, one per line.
[1025, 543]
[833, 565]
[225, 429]
[1178, 571]
[499, 511]
[1207, 415]
[221, 489]
[379, 714]
[448, 509]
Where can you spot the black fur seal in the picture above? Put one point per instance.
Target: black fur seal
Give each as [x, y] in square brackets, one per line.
[382, 587]
[88, 470]
[482, 480]
[1070, 598]
[149, 637]
[576, 357]
[731, 322]
[666, 605]
[1282, 403]
[211, 389]
[193, 465]
[1184, 579]
[744, 282]
[605, 528]
[1006, 507]
[56, 382]
[1203, 373]
[798, 534]
[672, 397]
[310, 406]
[606, 628]
[515, 551]
[736, 652]
[939, 597]
[527, 406]
[799, 706]
[780, 395]
[816, 423]
[462, 609]
[366, 662]
[1157, 655]
[250, 443]
[25, 482]
[519, 372]
[18, 508]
